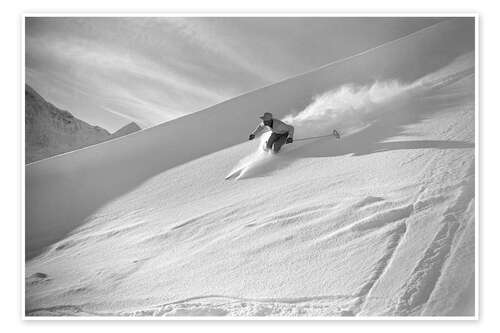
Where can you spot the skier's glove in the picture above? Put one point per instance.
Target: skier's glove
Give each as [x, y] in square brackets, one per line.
[289, 140]
[251, 137]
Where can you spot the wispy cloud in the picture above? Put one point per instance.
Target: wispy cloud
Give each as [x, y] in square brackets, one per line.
[154, 93]
[211, 39]
[109, 71]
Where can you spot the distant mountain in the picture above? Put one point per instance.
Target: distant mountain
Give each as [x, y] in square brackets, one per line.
[51, 131]
[127, 129]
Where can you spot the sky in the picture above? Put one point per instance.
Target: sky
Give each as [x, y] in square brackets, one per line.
[110, 71]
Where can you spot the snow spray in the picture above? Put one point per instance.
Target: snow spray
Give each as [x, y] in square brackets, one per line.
[352, 107]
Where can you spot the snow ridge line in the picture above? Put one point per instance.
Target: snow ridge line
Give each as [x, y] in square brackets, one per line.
[380, 268]
[448, 80]
[384, 263]
[419, 287]
[375, 222]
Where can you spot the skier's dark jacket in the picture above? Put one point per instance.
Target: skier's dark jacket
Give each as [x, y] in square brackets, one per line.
[278, 127]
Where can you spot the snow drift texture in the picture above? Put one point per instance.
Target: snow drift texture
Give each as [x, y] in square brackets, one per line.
[380, 222]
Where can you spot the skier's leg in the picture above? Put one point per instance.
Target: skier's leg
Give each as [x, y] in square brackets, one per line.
[280, 142]
[271, 140]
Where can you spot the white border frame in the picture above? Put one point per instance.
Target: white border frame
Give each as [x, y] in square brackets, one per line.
[22, 261]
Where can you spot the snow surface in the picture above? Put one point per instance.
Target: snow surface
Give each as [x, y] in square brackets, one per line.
[378, 223]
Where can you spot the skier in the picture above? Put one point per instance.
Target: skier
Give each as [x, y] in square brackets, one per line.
[282, 133]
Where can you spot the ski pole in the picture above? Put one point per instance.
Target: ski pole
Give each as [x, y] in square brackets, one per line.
[334, 133]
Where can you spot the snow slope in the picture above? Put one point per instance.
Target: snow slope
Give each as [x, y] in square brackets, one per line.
[380, 222]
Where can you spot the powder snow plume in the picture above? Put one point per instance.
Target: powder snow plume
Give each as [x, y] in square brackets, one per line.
[352, 107]
[349, 108]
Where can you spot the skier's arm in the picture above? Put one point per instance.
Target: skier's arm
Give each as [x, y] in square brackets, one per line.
[258, 129]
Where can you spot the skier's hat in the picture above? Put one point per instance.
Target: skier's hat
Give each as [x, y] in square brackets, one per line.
[267, 116]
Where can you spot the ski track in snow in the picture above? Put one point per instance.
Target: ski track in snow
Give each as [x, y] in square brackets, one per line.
[418, 288]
